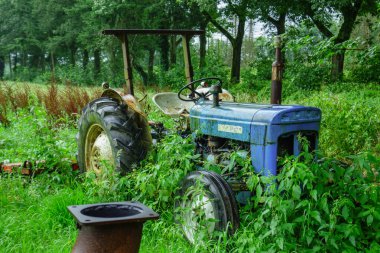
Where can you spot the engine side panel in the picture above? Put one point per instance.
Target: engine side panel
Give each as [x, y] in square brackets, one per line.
[229, 120]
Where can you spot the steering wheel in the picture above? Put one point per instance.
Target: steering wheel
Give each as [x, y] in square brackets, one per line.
[190, 86]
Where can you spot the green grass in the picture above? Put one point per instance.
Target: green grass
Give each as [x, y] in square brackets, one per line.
[34, 218]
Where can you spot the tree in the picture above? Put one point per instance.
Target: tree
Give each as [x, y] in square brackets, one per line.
[274, 12]
[322, 14]
[222, 15]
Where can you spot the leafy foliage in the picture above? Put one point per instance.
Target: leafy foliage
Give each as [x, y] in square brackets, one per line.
[350, 121]
[325, 205]
[316, 206]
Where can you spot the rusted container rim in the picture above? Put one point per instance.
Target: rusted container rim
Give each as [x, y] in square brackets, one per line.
[112, 213]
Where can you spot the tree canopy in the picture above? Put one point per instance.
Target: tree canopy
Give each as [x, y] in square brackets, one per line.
[62, 39]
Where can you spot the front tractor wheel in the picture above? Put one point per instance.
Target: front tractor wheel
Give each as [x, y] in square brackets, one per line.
[110, 132]
[207, 205]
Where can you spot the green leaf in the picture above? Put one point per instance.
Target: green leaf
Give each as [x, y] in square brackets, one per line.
[299, 219]
[352, 240]
[252, 182]
[377, 215]
[313, 194]
[280, 243]
[324, 205]
[316, 215]
[309, 238]
[296, 192]
[369, 219]
[333, 243]
[345, 212]
[259, 191]
[303, 203]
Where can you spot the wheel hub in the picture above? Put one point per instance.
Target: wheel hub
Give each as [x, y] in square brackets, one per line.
[98, 149]
[198, 215]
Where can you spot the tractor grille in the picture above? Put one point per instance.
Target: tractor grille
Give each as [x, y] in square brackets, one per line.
[311, 139]
[288, 145]
[285, 145]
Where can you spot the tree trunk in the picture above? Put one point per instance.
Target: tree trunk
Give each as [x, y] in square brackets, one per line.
[85, 58]
[96, 63]
[236, 60]
[150, 65]
[10, 65]
[2, 67]
[113, 61]
[23, 58]
[142, 73]
[34, 61]
[41, 61]
[337, 65]
[173, 51]
[250, 47]
[202, 47]
[15, 64]
[236, 51]
[236, 42]
[281, 30]
[73, 50]
[164, 47]
[52, 67]
[349, 12]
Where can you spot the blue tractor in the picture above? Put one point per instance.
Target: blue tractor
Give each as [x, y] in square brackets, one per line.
[115, 128]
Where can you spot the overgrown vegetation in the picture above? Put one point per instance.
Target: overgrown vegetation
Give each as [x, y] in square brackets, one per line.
[331, 53]
[329, 205]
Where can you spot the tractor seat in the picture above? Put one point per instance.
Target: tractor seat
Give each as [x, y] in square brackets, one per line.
[171, 105]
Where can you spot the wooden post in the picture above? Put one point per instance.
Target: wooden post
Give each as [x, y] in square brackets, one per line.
[127, 63]
[277, 67]
[187, 57]
[123, 33]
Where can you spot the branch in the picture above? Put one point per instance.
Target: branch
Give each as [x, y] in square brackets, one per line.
[232, 6]
[350, 13]
[319, 24]
[220, 28]
[272, 20]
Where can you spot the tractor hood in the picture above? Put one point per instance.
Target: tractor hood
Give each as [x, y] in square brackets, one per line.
[236, 120]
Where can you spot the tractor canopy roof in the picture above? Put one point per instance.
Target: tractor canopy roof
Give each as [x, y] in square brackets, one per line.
[122, 34]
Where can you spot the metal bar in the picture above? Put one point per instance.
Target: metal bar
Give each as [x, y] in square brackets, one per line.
[277, 69]
[119, 32]
[29, 168]
[127, 63]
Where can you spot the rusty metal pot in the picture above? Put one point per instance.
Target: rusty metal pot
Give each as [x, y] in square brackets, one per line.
[110, 227]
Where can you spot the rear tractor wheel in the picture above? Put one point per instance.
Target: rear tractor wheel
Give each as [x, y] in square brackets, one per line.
[113, 133]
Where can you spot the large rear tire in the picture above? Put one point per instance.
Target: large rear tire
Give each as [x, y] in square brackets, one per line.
[111, 132]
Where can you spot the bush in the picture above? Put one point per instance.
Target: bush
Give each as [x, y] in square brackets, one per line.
[307, 76]
[173, 78]
[314, 207]
[350, 119]
[367, 67]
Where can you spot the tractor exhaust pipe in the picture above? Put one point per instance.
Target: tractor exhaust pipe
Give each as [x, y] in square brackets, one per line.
[277, 69]
[110, 227]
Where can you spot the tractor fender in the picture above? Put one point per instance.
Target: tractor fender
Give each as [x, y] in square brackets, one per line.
[126, 99]
[131, 102]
